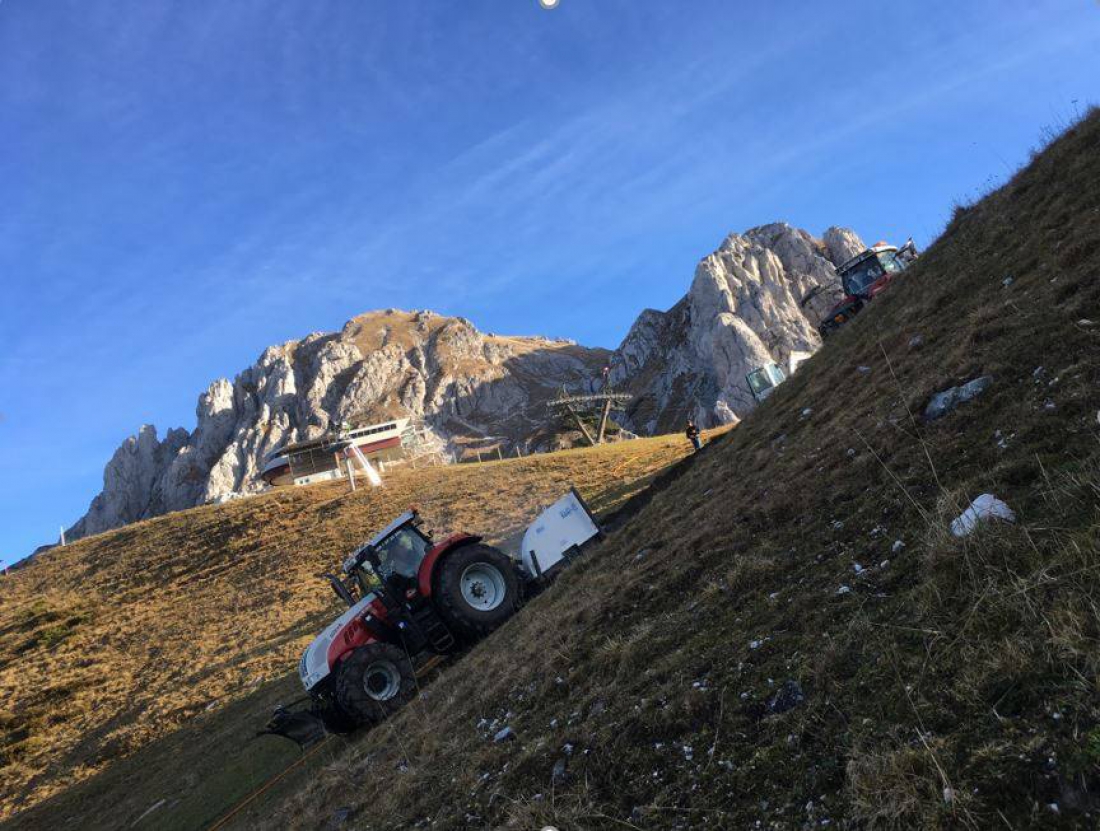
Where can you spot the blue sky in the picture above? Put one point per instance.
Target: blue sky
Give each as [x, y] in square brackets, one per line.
[184, 183]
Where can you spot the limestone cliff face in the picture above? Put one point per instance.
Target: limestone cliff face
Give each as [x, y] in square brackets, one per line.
[752, 302]
[462, 383]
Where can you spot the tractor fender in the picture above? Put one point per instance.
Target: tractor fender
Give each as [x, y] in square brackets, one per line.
[427, 566]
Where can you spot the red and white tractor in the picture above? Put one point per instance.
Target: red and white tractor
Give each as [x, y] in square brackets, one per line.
[864, 277]
[412, 599]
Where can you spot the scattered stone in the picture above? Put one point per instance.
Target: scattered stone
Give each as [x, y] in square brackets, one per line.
[807, 412]
[857, 568]
[1085, 322]
[837, 524]
[505, 734]
[1007, 281]
[944, 402]
[641, 555]
[788, 697]
[916, 342]
[851, 452]
[843, 590]
[986, 507]
[560, 772]
[1049, 405]
[863, 370]
[897, 547]
[340, 816]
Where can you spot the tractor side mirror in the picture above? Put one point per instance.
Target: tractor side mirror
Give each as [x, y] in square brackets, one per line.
[341, 590]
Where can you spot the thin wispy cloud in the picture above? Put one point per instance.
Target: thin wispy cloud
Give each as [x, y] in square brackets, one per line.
[187, 183]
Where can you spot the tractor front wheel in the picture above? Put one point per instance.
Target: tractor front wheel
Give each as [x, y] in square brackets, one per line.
[373, 682]
[477, 589]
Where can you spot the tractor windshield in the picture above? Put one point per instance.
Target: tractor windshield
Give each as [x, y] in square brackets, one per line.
[401, 552]
[890, 261]
[762, 380]
[860, 278]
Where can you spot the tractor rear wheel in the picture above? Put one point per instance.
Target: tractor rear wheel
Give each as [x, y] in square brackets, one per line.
[373, 682]
[477, 589]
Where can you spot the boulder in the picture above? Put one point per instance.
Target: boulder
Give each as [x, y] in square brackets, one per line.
[944, 402]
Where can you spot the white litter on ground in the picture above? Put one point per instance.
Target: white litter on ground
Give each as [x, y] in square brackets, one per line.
[982, 509]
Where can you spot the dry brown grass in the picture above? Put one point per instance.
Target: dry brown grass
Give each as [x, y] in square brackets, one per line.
[119, 639]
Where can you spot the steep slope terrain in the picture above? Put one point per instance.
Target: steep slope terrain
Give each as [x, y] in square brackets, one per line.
[788, 635]
[114, 641]
[752, 302]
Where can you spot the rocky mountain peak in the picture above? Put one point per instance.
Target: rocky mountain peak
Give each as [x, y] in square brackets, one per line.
[753, 301]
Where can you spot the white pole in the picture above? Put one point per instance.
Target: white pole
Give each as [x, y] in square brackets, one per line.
[372, 474]
[62, 536]
[351, 473]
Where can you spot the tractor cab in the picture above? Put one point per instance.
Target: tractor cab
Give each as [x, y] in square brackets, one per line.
[395, 554]
[863, 277]
[866, 274]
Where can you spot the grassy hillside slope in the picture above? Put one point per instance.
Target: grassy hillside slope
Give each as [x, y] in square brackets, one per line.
[120, 639]
[941, 682]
